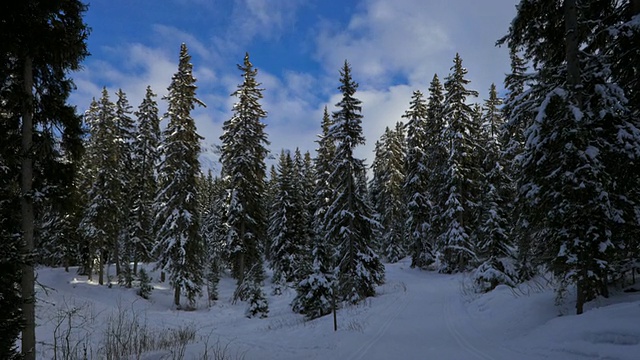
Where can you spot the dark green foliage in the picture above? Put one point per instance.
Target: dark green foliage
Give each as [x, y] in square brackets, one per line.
[243, 170]
[145, 288]
[387, 193]
[494, 246]
[102, 218]
[315, 291]
[40, 43]
[11, 322]
[123, 248]
[349, 219]
[416, 182]
[146, 156]
[180, 247]
[576, 170]
[258, 305]
[289, 222]
[462, 184]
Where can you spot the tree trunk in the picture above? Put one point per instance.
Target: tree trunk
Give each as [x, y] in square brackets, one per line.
[26, 206]
[580, 300]
[241, 259]
[101, 268]
[116, 255]
[574, 85]
[176, 296]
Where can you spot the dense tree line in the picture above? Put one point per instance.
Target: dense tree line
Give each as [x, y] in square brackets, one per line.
[542, 180]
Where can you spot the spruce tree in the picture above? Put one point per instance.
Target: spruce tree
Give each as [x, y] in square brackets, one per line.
[302, 216]
[244, 150]
[435, 166]
[146, 156]
[11, 318]
[389, 178]
[462, 184]
[213, 232]
[349, 218]
[307, 197]
[513, 145]
[41, 42]
[125, 135]
[314, 293]
[285, 249]
[494, 246]
[179, 246]
[624, 47]
[101, 219]
[580, 135]
[415, 184]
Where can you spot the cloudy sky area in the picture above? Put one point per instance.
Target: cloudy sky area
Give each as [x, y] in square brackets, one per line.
[298, 46]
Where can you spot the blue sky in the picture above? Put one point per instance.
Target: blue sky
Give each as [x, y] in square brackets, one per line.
[298, 46]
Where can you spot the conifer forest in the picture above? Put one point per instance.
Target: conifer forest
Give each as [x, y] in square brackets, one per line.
[536, 177]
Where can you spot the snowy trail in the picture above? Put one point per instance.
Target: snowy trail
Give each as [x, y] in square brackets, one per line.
[446, 331]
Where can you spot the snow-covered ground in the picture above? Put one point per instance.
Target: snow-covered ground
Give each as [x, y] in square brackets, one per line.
[416, 315]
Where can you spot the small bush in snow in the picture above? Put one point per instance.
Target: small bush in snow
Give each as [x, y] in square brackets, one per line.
[145, 284]
[494, 272]
[258, 305]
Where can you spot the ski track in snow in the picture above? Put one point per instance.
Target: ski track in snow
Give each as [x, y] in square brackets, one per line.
[439, 292]
[363, 351]
[452, 320]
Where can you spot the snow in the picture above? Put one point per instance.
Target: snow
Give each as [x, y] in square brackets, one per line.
[415, 315]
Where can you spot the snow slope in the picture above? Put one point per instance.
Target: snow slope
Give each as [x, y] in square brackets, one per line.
[416, 315]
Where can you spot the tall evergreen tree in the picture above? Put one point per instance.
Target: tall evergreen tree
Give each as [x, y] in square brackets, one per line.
[389, 176]
[213, 232]
[244, 150]
[285, 247]
[102, 217]
[416, 181]
[323, 188]
[179, 246]
[270, 196]
[11, 318]
[125, 135]
[624, 47]
[579, 137]
[462, 187]
[494, 247]
[316, 289]
[307, 197]
[350, 222]
[302, 219]
[40, 43]
[437, 153]
[146, 157]
[513, 140]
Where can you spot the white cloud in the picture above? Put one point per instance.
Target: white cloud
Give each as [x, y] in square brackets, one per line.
[172, 35]
[140, 66]
[414, 39]
[265, 19]
[386, 38]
